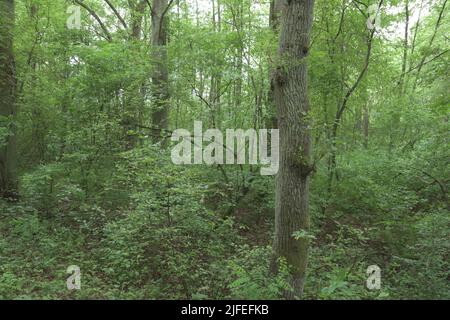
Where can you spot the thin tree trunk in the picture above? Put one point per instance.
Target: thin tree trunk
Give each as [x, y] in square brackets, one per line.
[366, 124]
[8, 83]
[291, 100]
[274, 23]
[402, 84]
[214, 92]
[343, 105]
[238, 25]
[436, 27]
[405, 48]
[132, 113]
[413, 44]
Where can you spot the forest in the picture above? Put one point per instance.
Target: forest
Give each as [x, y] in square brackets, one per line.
[224, 149]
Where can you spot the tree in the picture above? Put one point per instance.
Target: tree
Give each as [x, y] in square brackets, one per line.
[274, 23]
[137, 14]
[291, 100]
[160, 77]
[344, 103]
[8, 156]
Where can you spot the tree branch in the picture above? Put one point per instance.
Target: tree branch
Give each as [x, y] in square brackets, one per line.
[441, 12]
[117, 14]
[96, 17]
[360, 77]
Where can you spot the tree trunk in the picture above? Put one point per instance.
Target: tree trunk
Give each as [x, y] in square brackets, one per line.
[274, 23]
[137, 14]
[135, 99]
[405, 49]
[343, 105]
[424, 57]
[216, 79]
[366, 124]
[8, 83]
[160, 78]
[291, 100]
[238, 24]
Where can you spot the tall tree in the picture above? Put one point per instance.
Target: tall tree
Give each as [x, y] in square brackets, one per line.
[160, 77]
[132, 115]
[8, 156]
[343, 103]
[274, 23]
[432, 38]
[405, 47]
[292, 103]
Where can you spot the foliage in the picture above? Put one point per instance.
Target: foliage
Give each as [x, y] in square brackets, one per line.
[98, 190]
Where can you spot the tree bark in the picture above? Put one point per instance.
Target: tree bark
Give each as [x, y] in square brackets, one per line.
[291, 101]
[160, 78]
[8, 84]
[274, 24]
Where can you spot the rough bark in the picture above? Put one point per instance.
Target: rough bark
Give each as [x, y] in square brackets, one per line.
[8, 83]
[291, 100]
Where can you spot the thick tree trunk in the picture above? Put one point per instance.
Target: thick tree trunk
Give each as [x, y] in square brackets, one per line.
[160, 78]
[8, 156]
[291, 100]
